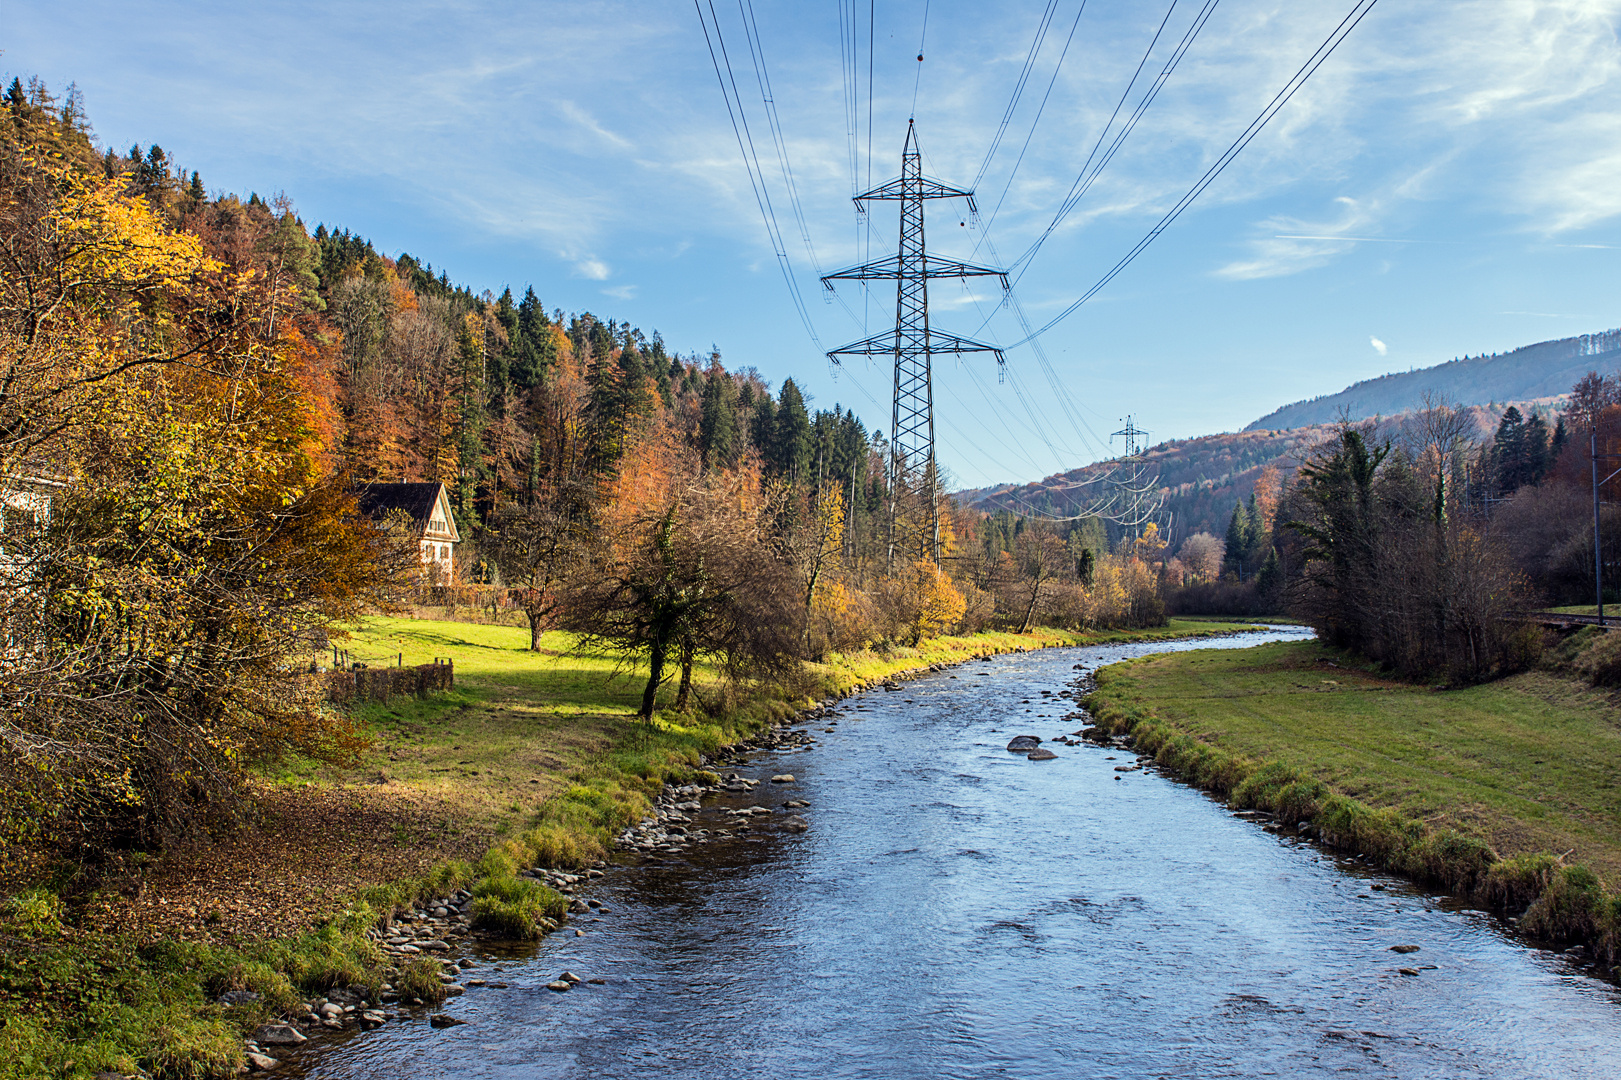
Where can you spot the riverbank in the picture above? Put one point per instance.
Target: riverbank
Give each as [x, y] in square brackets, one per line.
[536, 759]
[1507, 793]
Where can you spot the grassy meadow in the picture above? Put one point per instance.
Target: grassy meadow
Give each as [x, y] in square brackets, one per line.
[1508, 791]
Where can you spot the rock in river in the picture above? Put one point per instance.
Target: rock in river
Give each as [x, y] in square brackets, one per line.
[1041, 755]
[278, 1035]
[1022, 743]
[445, 1020]
[795, 823]
[783, 778]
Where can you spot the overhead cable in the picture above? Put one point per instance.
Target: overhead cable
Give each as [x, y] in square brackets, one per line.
[1313, 62]
[751, 160]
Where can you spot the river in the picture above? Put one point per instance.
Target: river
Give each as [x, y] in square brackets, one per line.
[959, 911]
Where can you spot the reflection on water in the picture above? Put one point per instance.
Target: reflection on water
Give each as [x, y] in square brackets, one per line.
[958, 911]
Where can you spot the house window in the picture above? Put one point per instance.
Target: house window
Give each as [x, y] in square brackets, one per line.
[444, 551]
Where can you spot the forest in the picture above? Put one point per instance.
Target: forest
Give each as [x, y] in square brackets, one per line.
[194, 388]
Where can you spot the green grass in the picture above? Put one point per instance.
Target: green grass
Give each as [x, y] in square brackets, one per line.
[1478, 789]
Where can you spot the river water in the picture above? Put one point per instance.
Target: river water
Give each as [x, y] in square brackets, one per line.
[959, 911]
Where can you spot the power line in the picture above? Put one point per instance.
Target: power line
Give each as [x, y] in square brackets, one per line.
[1037, 120]
[1316, 60]
[1018, 90]
[751, 31]
[751, 160]
[1089, 173]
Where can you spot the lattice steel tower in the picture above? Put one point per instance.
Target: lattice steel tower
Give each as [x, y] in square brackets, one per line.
[913, 344]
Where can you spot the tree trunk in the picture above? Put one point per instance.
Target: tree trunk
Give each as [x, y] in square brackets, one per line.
[686, 677]
[535, 631]
[1030, 611]
[655, 675]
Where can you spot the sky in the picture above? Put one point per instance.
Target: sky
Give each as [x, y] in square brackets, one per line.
[1445, 184]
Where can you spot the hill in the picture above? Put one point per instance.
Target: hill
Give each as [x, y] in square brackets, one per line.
[1199, 479]
[1544, 370]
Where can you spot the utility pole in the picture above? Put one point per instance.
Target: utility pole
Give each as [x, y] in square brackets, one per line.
[913, 343]
[1598, 557]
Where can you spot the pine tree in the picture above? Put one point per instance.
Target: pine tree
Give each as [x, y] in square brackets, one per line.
[789, 452]
[195, 191]
[1238, 541]
[717, 427]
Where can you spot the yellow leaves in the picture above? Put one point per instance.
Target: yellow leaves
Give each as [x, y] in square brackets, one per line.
[113, 241]
[939, 604]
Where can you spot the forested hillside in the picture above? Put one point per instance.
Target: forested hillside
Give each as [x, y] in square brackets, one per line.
[1532, 373]
[1199, 479]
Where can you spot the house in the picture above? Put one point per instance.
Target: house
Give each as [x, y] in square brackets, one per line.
[427, 509]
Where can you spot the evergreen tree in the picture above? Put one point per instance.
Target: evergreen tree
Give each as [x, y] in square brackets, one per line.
[789, 452]
[195, 191]
[1269, 578]
[1238, 542]
[717, 427]
[763, 423]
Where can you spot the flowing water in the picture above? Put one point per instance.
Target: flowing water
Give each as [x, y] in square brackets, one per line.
[959, 911]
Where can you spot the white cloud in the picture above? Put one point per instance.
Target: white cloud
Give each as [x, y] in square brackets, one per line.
[621, 292]
[1290, 245]
[595, 269]
[1378, 346]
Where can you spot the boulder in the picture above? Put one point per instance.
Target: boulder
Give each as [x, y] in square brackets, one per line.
[783, 778]
[795, 823]
[1023, 743]
[261, 1062]
[445, 1020]
[278, 1035]
[1041, 755]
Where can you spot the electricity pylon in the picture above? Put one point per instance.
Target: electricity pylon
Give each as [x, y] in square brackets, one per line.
[1139, 491]
[913, 342]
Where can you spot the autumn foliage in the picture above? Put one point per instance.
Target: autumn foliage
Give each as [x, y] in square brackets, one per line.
[191, 386]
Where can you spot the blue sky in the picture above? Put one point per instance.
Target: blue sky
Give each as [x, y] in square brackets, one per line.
[1448, 183]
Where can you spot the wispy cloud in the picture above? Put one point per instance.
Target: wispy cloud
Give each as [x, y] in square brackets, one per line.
[1378, 346]
[621, 292]
[594, 269]
[1310, 245]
